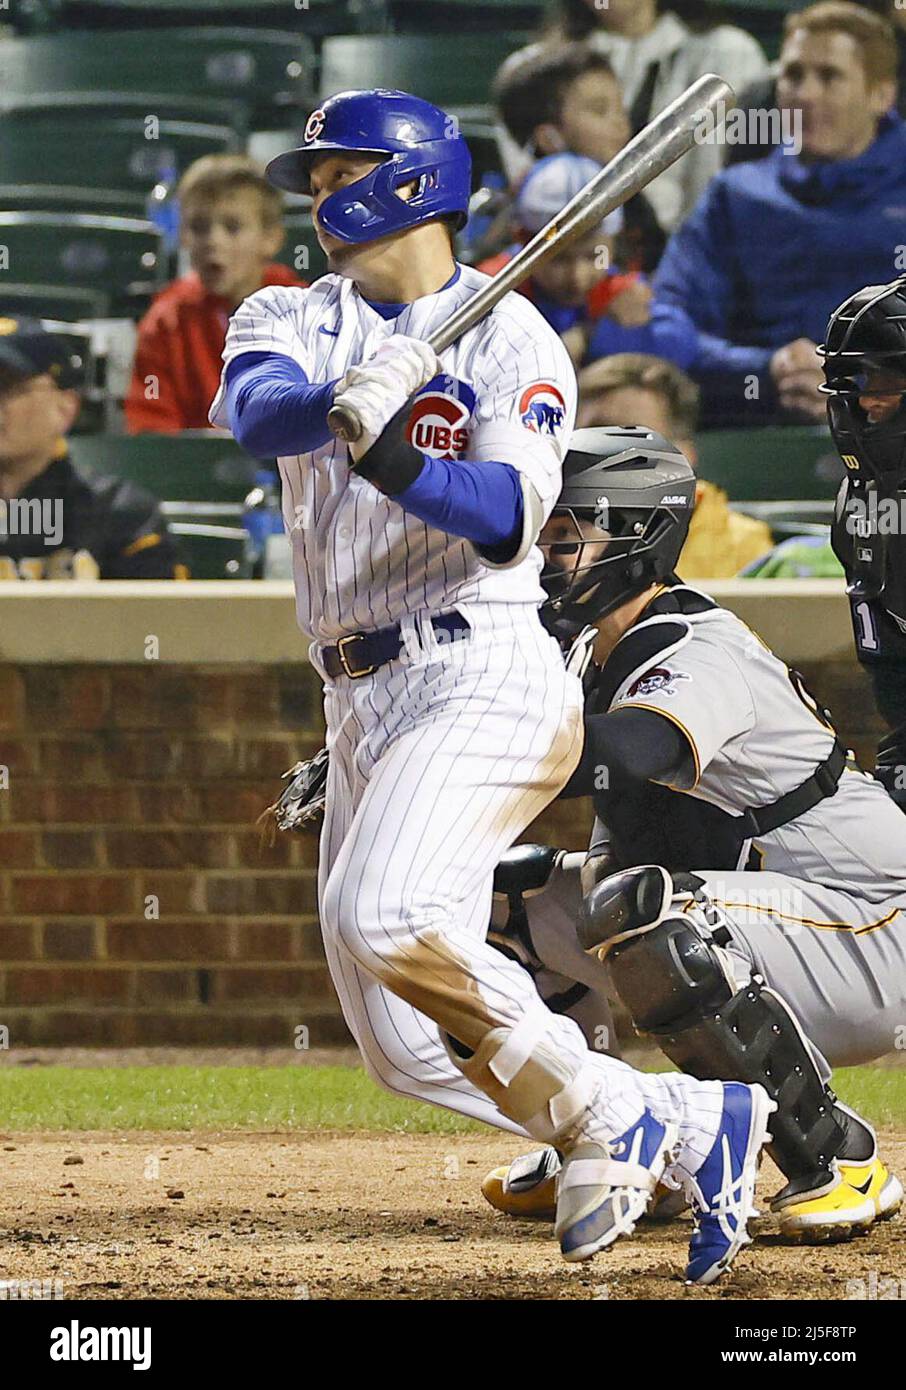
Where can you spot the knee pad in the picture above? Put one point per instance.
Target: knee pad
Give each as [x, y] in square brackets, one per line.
[527, 1079]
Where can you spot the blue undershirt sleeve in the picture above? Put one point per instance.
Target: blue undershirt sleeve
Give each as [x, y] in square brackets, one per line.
[273, 409]
[482, 502]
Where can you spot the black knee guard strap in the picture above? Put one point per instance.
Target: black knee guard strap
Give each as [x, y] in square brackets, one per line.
[676, 989]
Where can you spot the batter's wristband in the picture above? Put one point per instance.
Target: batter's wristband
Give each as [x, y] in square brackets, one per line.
[392, 463]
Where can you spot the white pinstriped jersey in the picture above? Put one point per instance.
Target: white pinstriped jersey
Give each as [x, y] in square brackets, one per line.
[508, 394]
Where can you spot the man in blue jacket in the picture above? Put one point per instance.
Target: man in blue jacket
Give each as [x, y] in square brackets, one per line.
[774, 244]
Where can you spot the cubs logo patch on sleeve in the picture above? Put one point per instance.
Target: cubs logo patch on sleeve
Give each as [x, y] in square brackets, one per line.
[542, 408]
[658, 678]
[439, 420]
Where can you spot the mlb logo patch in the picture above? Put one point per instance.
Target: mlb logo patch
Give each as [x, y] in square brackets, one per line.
[542, 408]
[439, 420]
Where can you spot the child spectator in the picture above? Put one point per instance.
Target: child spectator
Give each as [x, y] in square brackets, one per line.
[231, 227]
[54, 522]
[633, 389]
[596, 308]
[565, 97]
[655, 57]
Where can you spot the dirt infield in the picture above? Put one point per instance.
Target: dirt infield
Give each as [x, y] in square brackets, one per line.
[283, 1216]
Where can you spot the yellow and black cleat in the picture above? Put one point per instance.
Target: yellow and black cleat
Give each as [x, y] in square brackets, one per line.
[866, 1193]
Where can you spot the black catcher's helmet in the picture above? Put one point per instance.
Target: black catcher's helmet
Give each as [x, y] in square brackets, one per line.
[867, 332]
[638, 491]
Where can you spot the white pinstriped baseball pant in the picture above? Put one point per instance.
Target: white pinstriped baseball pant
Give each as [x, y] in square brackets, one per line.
[438, 762]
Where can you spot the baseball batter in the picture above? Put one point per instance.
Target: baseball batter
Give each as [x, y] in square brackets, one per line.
[451, 717]
[785, 951]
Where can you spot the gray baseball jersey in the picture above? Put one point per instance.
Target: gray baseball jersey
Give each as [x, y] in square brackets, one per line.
[824, 920]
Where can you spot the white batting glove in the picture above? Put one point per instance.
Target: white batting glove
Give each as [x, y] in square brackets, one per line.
[380, 387]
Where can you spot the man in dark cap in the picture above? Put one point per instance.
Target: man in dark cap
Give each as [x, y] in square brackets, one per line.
[56, 523]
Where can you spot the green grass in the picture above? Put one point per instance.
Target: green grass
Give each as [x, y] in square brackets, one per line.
[284, 1098]
[178, 1097]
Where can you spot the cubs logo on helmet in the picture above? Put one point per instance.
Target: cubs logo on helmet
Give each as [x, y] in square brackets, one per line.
[314, 125]
[438, 423]
[542, 409]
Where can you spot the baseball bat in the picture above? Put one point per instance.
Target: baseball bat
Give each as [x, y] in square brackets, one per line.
[658, 145]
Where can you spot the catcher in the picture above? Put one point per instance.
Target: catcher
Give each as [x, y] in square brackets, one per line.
[745, 883]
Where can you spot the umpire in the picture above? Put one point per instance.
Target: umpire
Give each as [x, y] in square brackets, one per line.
[865, 372]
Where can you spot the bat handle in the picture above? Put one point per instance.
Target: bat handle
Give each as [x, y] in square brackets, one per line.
[344, 422]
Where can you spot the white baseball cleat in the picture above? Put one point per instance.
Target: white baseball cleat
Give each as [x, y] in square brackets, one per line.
[605, 1185]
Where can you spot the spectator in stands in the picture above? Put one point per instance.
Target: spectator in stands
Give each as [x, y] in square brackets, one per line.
[55, 523]
[761, 95]
[634, 389]
[656, 56]
[596, 308]
[231, 227]
[774, 244]
[566, 97]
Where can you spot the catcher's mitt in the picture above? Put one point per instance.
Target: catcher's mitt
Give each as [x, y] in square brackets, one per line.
[300, 805]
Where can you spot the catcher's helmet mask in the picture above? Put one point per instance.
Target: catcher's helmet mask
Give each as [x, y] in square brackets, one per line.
[866, 336]
[634, 491]
[414, 141]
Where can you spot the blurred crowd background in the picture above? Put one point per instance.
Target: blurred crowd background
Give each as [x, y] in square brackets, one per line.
[135, 217]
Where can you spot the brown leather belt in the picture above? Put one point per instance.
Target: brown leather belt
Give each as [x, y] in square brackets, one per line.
[359, 654]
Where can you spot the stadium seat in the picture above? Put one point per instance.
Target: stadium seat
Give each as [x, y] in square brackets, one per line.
[413, 16]
[300, 250]
[320, 16]
[61, 302]
[763, 19]
[213, 552]
[797, 463]
[100, 148]
[265, 73]
[791, 518]
[453, 70]
[191, 467]
[117, 258]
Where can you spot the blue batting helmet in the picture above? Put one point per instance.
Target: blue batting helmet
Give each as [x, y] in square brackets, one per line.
[414, 141]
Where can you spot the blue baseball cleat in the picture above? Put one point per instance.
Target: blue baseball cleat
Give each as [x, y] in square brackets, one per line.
[605, 1185]
[722, 1191]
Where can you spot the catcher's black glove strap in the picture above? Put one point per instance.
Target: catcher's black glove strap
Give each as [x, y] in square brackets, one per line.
[392, 463]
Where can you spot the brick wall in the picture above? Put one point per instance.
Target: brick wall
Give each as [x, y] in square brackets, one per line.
[136, 905]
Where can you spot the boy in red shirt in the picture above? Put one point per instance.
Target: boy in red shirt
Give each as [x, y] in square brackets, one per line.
[231, 227]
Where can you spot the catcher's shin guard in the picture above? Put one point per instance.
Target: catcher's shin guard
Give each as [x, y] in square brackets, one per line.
[669, 971]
